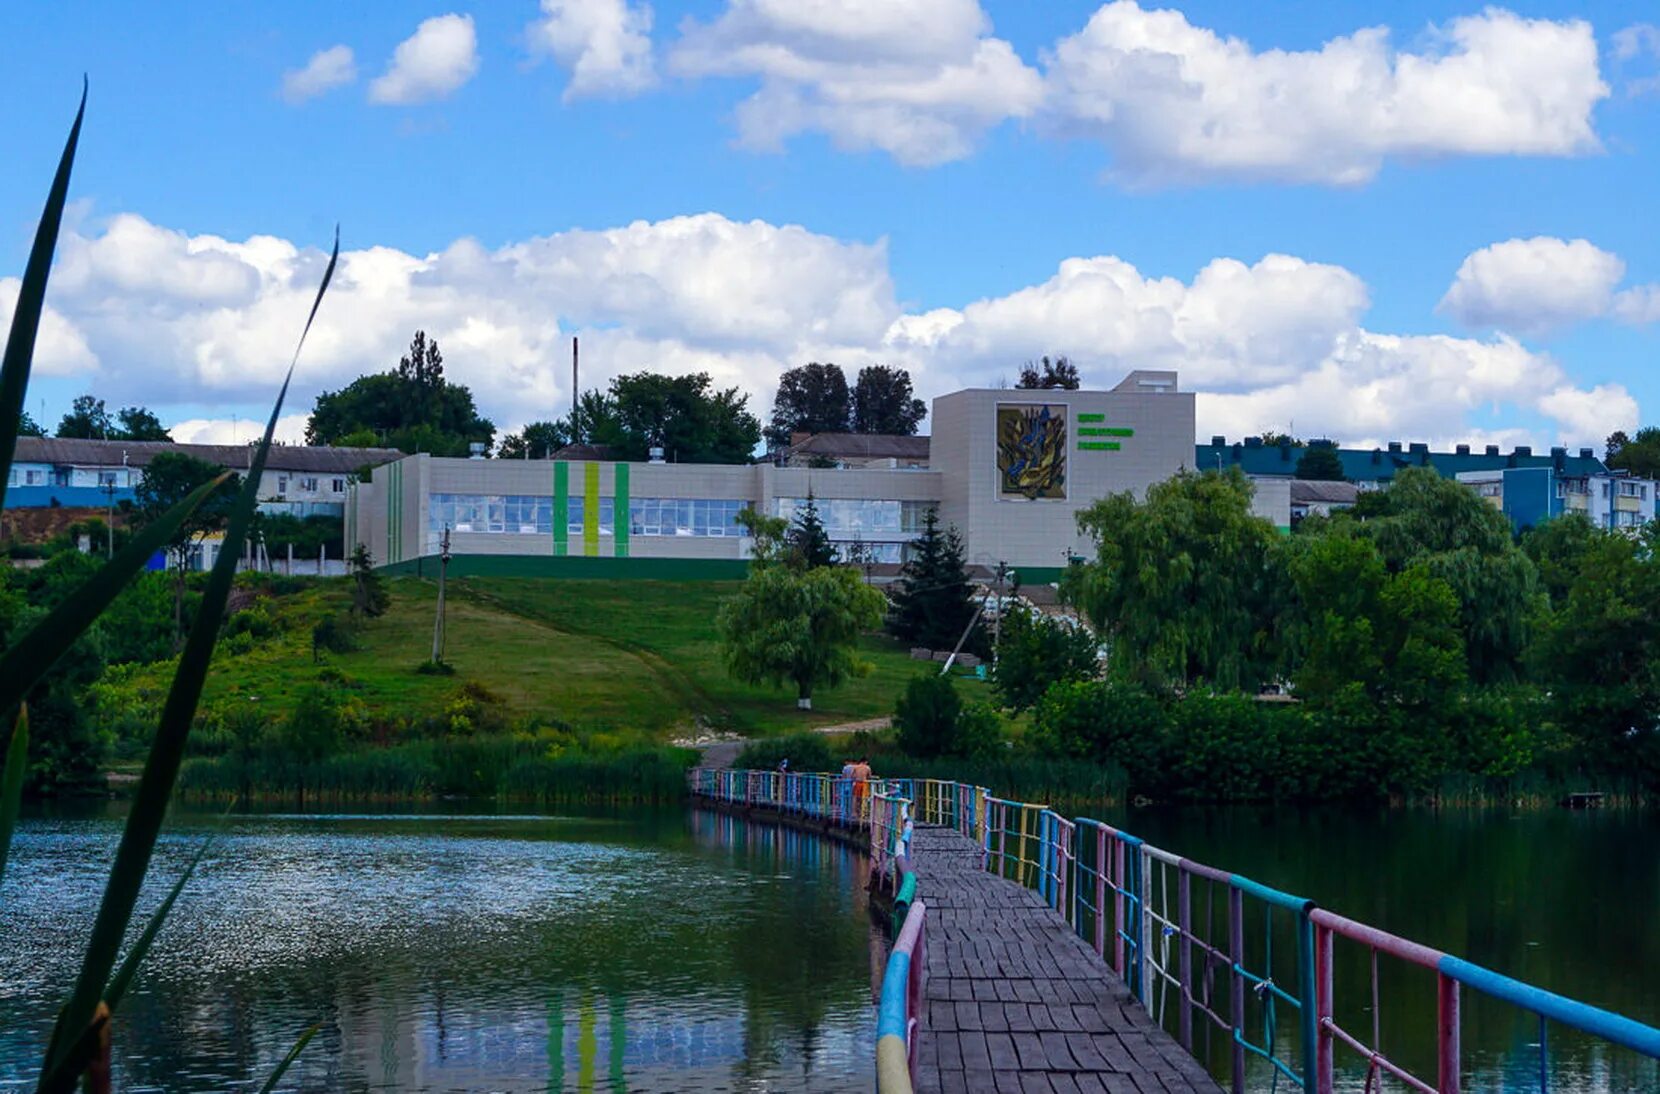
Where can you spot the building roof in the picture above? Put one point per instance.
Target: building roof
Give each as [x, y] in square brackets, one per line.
[1305, 491]
[77, 452]
[858, 446]
[1380, 464]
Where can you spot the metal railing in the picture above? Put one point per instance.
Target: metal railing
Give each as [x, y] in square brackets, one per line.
[1230, 956]
[904, 983]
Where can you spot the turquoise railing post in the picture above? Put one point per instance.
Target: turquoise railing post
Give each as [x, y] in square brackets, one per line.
[1308, 1018]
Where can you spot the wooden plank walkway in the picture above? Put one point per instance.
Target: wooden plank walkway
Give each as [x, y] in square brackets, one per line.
[1017, 1002]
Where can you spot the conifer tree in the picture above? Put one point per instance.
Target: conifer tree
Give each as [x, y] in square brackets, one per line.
[808, 539]
[933, 602]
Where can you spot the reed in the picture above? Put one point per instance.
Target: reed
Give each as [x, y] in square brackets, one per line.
[79, 1042]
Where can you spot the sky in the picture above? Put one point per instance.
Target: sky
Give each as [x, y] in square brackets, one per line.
[1419, 220]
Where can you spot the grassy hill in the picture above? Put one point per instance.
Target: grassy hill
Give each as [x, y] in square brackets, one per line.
[622, 655]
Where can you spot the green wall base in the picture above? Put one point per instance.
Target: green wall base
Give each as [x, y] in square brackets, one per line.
[576, 568]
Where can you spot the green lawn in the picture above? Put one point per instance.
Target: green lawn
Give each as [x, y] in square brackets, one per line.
[669, 628]
[595, 654]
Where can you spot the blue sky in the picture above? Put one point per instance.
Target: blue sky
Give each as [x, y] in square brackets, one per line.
[729, 186]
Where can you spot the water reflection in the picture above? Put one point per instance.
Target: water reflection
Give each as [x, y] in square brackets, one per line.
[639, 951]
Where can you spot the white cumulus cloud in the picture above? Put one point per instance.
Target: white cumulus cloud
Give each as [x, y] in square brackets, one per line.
[1175, 102]
[1533, 286]
[605, 44]
[60, 347]
[430, 64]
[327, 70]
[1541, 285]
[169, 317]
[290, 430]
[921, 81]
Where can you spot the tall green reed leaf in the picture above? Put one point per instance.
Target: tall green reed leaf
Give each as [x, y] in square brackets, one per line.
[287, 1061]
[31, 301]
[161, 768]
[11, 783]
[33, 655]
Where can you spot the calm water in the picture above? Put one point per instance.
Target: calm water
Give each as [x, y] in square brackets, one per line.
[1567, 901]
[641, 952]
[674, 951]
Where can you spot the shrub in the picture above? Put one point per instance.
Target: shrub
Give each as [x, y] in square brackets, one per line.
[331, 635]
[474, 708]
[1105, 721]
[1222, 747]
[932, 721]
[805, 751]
[313, 729]
[1035, 651]
[435, 668]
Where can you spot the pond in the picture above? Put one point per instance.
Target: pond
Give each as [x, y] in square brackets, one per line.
[674, 950]
[633, 951]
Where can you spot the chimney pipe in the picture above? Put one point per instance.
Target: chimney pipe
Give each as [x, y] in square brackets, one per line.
[576, 426]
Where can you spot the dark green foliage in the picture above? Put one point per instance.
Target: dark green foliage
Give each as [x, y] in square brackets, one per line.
[932, 720]
[883, 402]
[812, 398]
[1599, 654]
[313, 730]
[1320, 462]
[692, 420]
[135, 423]
[796, 626]
[932, 602]
[1639, 455]
[173, 476]
[536, 441]
[1558, 548]
[87, 418]
[435, 668]
[805, 751]
[369, 595]
[413, 408]
[1044, 373]
[28, 427]
[808, 540]
[1104, 721]
[1035, 651]
[317, 536]
[1185, 585]
[330, 635]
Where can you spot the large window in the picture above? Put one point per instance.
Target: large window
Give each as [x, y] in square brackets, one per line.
[863, 519]
[685, 516]
[516, 514]
[576, 510]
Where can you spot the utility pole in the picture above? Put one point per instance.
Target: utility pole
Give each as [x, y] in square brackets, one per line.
[438, 621]
[576, 398]
[997, 620]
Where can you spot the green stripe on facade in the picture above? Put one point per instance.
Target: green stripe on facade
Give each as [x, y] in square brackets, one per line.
[1108, 431]
[1092, 417]
[561, 507]
[619, 507]
[590, 509]
[1100, 446]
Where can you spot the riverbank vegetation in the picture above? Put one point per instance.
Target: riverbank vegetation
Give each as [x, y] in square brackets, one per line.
[1411, 648]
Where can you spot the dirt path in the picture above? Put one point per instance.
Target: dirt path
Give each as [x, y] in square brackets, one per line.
[724, 753]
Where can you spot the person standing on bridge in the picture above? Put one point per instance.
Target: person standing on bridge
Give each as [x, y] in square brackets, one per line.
[861, 785]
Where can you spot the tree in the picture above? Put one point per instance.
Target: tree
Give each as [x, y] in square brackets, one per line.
[1616, 441]
[1599, 655]
[791, 625]
[1034, 651]
[1559, 547]
[1044, 373]
[28, 427]
[685, 414]
[809, 542]
[87, 419]
[369, 595]
[1185, 585]
[932, 720]
[1640, 455]
[1320, 463]
[413, 408]
[536, 441]
[811, 399]
[933, 602]
[138, 424]
[1463, 540]
[168, 479]
[883, 402]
